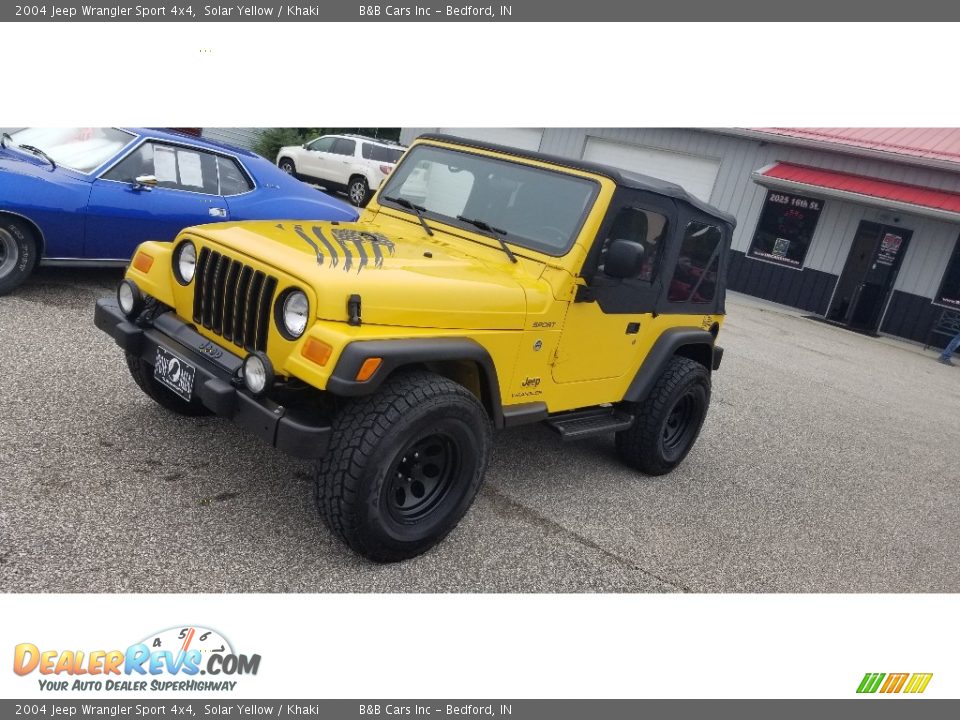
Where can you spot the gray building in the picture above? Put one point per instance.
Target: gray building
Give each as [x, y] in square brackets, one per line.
[238, 137]
[857, 226]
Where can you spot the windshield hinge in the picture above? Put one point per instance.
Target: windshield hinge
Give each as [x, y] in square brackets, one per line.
[584, 294]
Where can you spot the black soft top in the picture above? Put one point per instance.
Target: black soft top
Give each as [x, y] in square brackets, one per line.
[623, 178]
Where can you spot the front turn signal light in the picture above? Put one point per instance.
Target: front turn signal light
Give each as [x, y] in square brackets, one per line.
[316, 351]
[143, 262]
[369, 367]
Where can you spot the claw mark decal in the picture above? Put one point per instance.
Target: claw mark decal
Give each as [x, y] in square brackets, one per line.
[375, 241]
[346, 243]
[299, 231]
[334, 260]
[347, 255]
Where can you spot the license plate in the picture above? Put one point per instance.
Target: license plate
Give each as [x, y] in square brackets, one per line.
[174, 373]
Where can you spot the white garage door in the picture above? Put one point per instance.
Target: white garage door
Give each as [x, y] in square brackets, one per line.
[523, 138]
[697, 175]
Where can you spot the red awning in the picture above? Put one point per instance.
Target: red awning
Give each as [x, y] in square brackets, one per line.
[914, 199]
[936, 144]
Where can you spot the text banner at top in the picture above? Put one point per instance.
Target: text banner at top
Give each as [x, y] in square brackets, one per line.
[498, 11]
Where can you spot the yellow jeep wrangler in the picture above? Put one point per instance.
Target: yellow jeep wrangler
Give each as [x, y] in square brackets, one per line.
[483, 287]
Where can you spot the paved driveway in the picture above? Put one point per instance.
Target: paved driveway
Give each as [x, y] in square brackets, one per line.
[828, 462]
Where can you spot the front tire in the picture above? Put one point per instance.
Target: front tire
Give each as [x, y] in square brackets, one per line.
[142, 373]
[288, 166]
[358, 191]
[404, 466]
[669, 420]
[18, 253]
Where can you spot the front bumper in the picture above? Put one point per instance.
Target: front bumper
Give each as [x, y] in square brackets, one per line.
[294, 432]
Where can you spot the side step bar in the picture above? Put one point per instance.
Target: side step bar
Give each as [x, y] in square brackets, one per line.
[589, 423]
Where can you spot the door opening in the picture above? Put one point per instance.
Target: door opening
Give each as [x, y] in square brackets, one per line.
[868, 276]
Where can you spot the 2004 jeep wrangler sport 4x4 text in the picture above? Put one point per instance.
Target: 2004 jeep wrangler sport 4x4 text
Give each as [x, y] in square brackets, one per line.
[484, 287]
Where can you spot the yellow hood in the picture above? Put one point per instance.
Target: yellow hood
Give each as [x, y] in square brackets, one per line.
[407, 279]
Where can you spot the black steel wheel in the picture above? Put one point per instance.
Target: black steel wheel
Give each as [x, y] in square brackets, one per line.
[421, 476]
[682, 421]
[668, 422]
[404, 465]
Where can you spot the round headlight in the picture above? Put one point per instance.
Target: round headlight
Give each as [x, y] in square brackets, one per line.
[293, 313]
[129, 298]
[185, 262]
[257, 373]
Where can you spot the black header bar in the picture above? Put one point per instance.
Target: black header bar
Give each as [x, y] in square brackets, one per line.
[481, 11]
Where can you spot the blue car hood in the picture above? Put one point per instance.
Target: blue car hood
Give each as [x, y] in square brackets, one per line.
[13, 161]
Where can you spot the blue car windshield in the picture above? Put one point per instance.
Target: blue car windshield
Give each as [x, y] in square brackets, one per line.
[82, 149]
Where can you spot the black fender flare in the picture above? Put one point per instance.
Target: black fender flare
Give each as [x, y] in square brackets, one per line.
[412, 351]
[666, 346]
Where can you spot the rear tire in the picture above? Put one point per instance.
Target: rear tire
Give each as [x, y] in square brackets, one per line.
[669, 420]
[358, 190]
[404, 466]
[18, 253]
[142, 373]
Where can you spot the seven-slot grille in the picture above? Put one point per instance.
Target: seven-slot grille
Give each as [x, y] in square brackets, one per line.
[233, 300]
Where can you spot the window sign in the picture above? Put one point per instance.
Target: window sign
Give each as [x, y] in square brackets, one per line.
[165, 164]
[785, 229]
[949, 293]
[889, 249]
[191, 172]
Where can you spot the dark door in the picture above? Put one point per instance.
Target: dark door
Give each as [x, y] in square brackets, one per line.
[868, 276]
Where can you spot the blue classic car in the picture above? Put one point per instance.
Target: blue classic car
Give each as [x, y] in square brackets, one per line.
[89, 196]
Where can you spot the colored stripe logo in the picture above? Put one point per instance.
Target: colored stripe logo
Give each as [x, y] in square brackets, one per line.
[913, 683]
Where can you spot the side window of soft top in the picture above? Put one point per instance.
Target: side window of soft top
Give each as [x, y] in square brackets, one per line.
[645, 227]
[695, 277]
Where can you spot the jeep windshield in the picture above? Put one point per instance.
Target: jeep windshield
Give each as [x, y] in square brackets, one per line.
[536, 208]
[82, 149]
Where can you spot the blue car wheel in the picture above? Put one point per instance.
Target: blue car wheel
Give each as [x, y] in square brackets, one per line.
[18, 253]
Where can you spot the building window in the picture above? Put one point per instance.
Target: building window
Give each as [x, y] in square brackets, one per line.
[949, 293]
[785, 229]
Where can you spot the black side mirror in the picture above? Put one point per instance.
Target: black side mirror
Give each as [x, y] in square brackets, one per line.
[624, 259]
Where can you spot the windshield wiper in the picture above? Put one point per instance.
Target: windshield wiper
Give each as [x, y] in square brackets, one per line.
[496, 233]
[4, 138]
[41, 153]
[418, 209]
